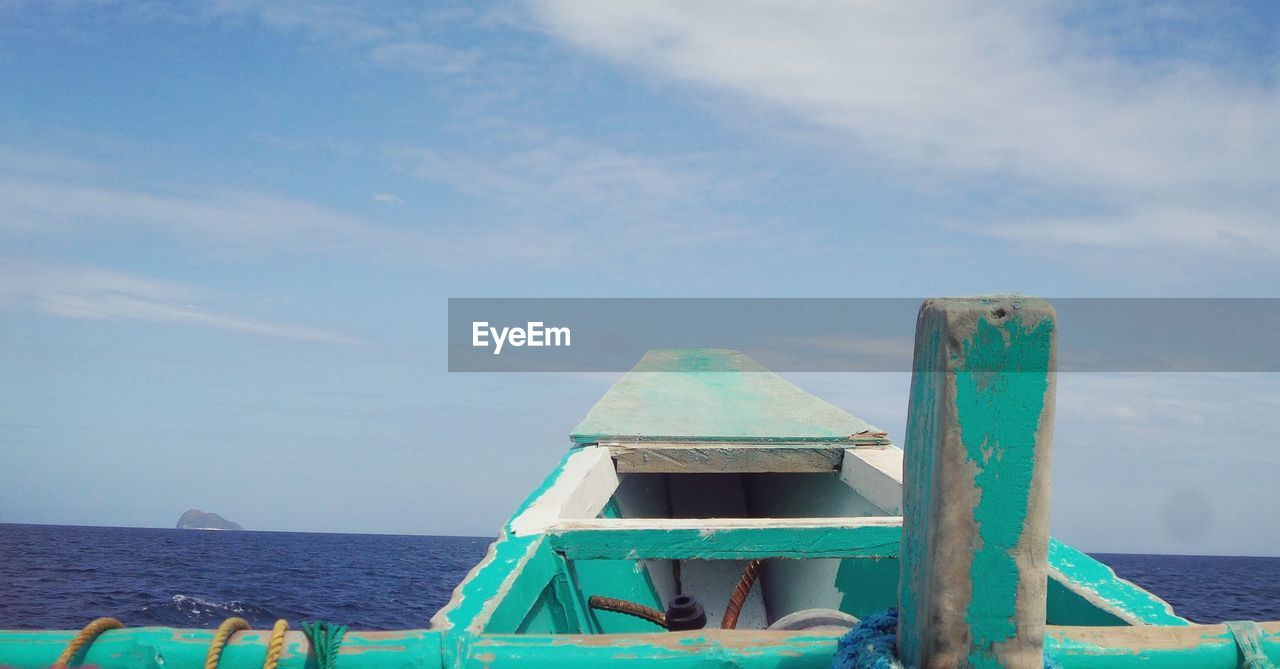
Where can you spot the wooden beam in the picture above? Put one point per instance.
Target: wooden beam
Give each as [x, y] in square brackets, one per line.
[721, 457]
[580, 488]
[1098, 585]
[711, 395]
[876, 474]
[177, 648]
[726, 538]
[1200, 646]
[701, 649]
[972, 591]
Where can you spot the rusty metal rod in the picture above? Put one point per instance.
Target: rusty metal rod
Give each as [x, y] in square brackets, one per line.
[739, 597]
[629, 608]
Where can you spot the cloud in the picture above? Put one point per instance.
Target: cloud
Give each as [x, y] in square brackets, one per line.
[89, 293]
[401, 37]
[1227, 228]
[384, 34]
[242, 218]
[555, 204]
[426, 56]
[978, 91]
[559, 168]
[251, 222]
[601, 199]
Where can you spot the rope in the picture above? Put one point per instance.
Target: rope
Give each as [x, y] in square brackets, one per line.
[325, 638]
[275, 644]
[225, 630]
[628, 608]
[1248, 638]
[873, 644]
[84, 638]
[739, 596]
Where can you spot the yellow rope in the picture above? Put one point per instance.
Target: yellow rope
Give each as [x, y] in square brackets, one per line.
[225, 630]
[275, 644]
[85, 637]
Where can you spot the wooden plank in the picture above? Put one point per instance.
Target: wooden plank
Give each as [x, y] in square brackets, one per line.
[488, 584]
[972, 591]
[726, 538]
[179, 648]
[876, 474]
[712, 395]
[524, 586]
[1200, 646]
[701, 649]
[1097, 584]
[580, 489]
[724, 457]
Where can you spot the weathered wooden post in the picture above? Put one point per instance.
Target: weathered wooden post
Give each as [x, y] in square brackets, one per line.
[975, 525]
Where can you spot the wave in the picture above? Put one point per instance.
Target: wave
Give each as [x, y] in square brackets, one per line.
[194, 611]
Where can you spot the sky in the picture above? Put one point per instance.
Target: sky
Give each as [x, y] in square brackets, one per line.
[228, 231]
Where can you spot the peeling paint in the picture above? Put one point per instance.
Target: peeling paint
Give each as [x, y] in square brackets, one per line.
[972, 590]
[536, 571]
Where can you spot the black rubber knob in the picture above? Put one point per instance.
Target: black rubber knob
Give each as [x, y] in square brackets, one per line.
[685, 613]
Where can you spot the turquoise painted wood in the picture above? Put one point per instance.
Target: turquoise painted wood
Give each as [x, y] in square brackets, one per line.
[622, 579]
[872, 541]
[975, 499]
[1201, 647]
[166, 647]
[525, 605]
[1088, 590]
[711, 395]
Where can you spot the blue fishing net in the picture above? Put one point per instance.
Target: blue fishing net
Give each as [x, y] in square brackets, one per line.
[873, 644]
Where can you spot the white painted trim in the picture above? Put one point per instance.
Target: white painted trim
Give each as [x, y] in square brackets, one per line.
[710, 525]
[876, 474]
[583, 487]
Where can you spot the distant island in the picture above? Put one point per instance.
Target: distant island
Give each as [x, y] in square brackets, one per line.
[195, 519]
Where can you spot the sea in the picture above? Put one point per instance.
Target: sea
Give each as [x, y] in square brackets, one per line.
[60, 577]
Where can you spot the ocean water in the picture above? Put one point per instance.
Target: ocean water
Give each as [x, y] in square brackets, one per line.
[54, 577]
[1204, 588]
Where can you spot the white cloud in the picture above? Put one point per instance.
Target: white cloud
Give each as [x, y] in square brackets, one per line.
[979, 90]
[241, 218]
[560, 167]
[402, 37]
[89, 293]
[1226, 228]
[600, 199]
[251, 222]
[386, 198]
[425, 56]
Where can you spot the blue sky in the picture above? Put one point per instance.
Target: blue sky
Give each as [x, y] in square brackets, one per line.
[228, 231]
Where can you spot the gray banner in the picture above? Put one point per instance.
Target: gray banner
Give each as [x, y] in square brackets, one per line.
[847, 334]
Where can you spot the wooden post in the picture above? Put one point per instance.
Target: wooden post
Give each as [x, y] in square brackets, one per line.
[976, 484]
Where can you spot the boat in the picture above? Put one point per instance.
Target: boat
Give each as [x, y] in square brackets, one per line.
[709, 513]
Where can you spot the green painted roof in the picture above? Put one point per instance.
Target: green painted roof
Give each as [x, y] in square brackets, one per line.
[711, 394]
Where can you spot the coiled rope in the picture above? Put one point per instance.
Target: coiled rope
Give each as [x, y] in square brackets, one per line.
[225, 630]
[331, 636]
[275, 644]
[84, 638]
